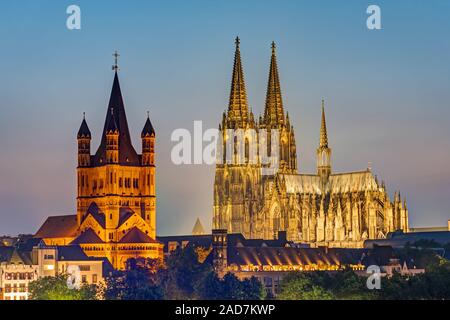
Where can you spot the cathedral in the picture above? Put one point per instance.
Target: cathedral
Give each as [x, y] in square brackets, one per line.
[116, 197]
[323, 209]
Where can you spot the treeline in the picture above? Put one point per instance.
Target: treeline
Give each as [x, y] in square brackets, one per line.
[184, 277]
[434, 284]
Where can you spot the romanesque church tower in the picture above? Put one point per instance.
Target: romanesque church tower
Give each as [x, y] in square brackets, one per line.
[116, 192]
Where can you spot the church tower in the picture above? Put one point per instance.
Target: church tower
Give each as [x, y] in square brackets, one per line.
[116, 198]
[84, 144]
[238, 171]
[116, 192]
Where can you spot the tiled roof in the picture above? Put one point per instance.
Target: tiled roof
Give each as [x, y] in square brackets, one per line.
[233, 240]
[14, 256]
[6, 253]
[338, 183]
[204, 241]
[289, 256]
[400, 239]
[58, 227]
[94, 211]
[136, 236]
[124, 214]
[71, 253]
[88, 236]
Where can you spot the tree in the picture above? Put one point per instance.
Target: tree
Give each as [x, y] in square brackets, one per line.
[184, 275]
[302, 286]
[231, 288]
[347, 285]
[56, 288]
[138, 282]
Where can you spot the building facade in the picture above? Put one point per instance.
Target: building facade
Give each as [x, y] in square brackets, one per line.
[116, 192]
[326, 208]
[20, 266]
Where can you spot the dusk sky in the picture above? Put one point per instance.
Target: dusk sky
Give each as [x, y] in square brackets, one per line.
[387, 93]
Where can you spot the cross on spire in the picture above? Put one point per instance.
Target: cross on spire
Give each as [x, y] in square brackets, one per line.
[116, 56]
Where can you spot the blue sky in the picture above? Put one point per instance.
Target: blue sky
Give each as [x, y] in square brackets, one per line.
[387, 93]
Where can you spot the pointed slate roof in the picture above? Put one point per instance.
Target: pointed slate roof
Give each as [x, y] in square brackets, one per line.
[88, 236]
[127, 153]
[148, 130]
[273, 112]
[136, 236]
[94, 211]
[84, 131]
[125, 213]
[198, 228]
[238, 108]
[112, 127]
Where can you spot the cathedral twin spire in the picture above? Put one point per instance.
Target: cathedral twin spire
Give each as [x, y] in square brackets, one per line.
[238, 108]
[238, 114]
[274, 113]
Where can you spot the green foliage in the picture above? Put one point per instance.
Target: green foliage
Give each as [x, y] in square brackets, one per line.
[432, 285]
[231, 288]
[138, 282]
[184, 275]
[304, 286]
[347, 285]
[56, 288]
[422, 257]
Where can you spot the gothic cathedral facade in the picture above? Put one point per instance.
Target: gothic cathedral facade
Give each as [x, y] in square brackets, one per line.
[321, 209]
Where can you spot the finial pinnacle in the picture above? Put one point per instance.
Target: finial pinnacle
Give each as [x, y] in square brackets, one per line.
[237, 42]
[274, 46]
[84, 115]
[148, 114]
[116, 56]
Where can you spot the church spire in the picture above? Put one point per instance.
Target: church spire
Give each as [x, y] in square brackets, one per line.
[238, 108]
[116, 110]
[323, 152]
[84, 131]
[274, 113]
[323, 129]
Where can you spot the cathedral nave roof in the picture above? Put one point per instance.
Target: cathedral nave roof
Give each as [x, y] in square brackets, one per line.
[337, 183]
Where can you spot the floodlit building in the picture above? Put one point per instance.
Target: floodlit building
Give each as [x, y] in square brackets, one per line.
[116, 192]
[23, 264]
[326, 208]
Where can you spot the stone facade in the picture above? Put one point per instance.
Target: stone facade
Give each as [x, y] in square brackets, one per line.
[116, 193]
[325, 208]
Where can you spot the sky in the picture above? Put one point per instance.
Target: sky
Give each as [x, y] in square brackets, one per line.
[386, 91]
